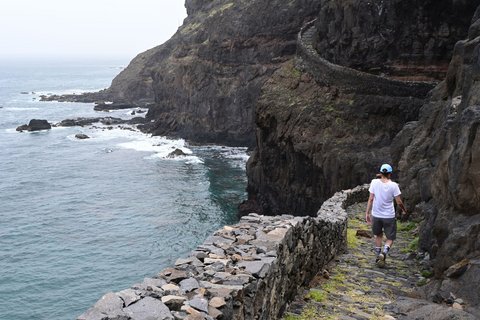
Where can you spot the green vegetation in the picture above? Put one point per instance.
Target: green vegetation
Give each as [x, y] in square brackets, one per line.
[406, 226]
[309, 313]
[412, 246]
[317, 295]
[427, 273]
[352, 240]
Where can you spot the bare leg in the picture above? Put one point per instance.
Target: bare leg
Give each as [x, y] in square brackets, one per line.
[379, 239]
[389, 243]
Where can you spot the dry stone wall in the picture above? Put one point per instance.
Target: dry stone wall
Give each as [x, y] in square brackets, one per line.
[250, 270]
[349, 79]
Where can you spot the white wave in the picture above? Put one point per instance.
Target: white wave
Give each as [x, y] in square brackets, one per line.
[75, 91]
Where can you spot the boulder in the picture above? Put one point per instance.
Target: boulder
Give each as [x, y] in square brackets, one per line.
[81, 136]
[149, 308]
[36, 125]
[176, 153]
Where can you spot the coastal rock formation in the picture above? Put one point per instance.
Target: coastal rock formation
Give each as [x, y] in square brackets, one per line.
[250, 270]
[205, 80]
[35, 125]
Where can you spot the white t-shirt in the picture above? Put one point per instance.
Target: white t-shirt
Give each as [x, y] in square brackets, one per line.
[384, 193]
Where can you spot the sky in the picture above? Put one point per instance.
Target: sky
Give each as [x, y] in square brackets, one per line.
[116, 29]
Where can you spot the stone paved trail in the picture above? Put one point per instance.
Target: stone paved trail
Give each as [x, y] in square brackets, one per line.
[356, 288]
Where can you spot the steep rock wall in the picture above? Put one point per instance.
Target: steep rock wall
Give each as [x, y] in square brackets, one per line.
[402, 38]
[205, 80]
[439, 157]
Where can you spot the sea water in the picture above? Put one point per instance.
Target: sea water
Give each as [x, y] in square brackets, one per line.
[80, 218]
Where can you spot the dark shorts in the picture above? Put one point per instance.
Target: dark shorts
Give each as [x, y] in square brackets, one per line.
[386, 225]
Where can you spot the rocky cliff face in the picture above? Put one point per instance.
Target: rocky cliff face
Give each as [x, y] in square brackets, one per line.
[317, 137]
[441, 164]
[320, 132]
[205, 80]
[313, 140]
[402, 38]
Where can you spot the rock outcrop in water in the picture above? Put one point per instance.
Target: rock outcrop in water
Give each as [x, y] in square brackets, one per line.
[35, 125]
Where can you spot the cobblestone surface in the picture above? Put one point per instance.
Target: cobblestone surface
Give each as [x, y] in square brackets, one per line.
[352, 286]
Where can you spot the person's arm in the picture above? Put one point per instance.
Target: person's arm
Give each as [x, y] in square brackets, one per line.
[399, 202]
[368, 213]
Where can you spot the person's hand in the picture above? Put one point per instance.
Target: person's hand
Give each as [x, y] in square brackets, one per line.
[404, 216]
[368, 218]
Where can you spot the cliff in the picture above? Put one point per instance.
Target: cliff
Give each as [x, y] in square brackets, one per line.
[350, 102]
[440, 169]
[205, 80]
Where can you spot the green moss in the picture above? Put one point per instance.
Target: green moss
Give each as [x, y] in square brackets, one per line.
[317, 295]
[406, 226]
[308, 313]
[413, 245]
[427, 273]
[352, 240]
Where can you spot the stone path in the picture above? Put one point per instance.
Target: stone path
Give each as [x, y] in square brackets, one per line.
[353, 287]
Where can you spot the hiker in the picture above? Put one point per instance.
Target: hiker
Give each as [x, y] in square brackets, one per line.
[380, 205]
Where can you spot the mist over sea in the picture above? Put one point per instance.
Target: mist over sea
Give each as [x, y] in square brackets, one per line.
[80, 218]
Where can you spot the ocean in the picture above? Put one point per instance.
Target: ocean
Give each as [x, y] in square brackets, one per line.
[80, 218]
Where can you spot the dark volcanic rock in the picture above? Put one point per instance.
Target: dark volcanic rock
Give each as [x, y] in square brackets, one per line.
[313, 140]
[404, 38]
[35, 125]
[81, 122]
[114, 106]
[81, 136]
[176, 153]
[441, 166]
[23, 127]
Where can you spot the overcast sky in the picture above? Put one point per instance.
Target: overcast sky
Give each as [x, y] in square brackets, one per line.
[117, 29]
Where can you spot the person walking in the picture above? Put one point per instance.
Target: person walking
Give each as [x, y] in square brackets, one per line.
[380, 213]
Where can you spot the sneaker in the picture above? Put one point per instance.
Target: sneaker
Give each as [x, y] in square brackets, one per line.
[380, 261]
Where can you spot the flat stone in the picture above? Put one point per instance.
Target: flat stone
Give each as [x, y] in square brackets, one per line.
[191, 311]
[212, 261]
[257, 268]
[174, 302]
[154, 282]
[170, 288]
[129, 296]
[457, 269]
[214, 312]
[183, 261]
[174, 275]
[216, 240]
[188, 285]
[364, 234]
[148, 309]
[109, 306]
[217, 302]
[199, 303]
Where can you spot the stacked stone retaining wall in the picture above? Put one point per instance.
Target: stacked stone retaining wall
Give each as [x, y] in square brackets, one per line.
[331, 74]
[250, 270]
